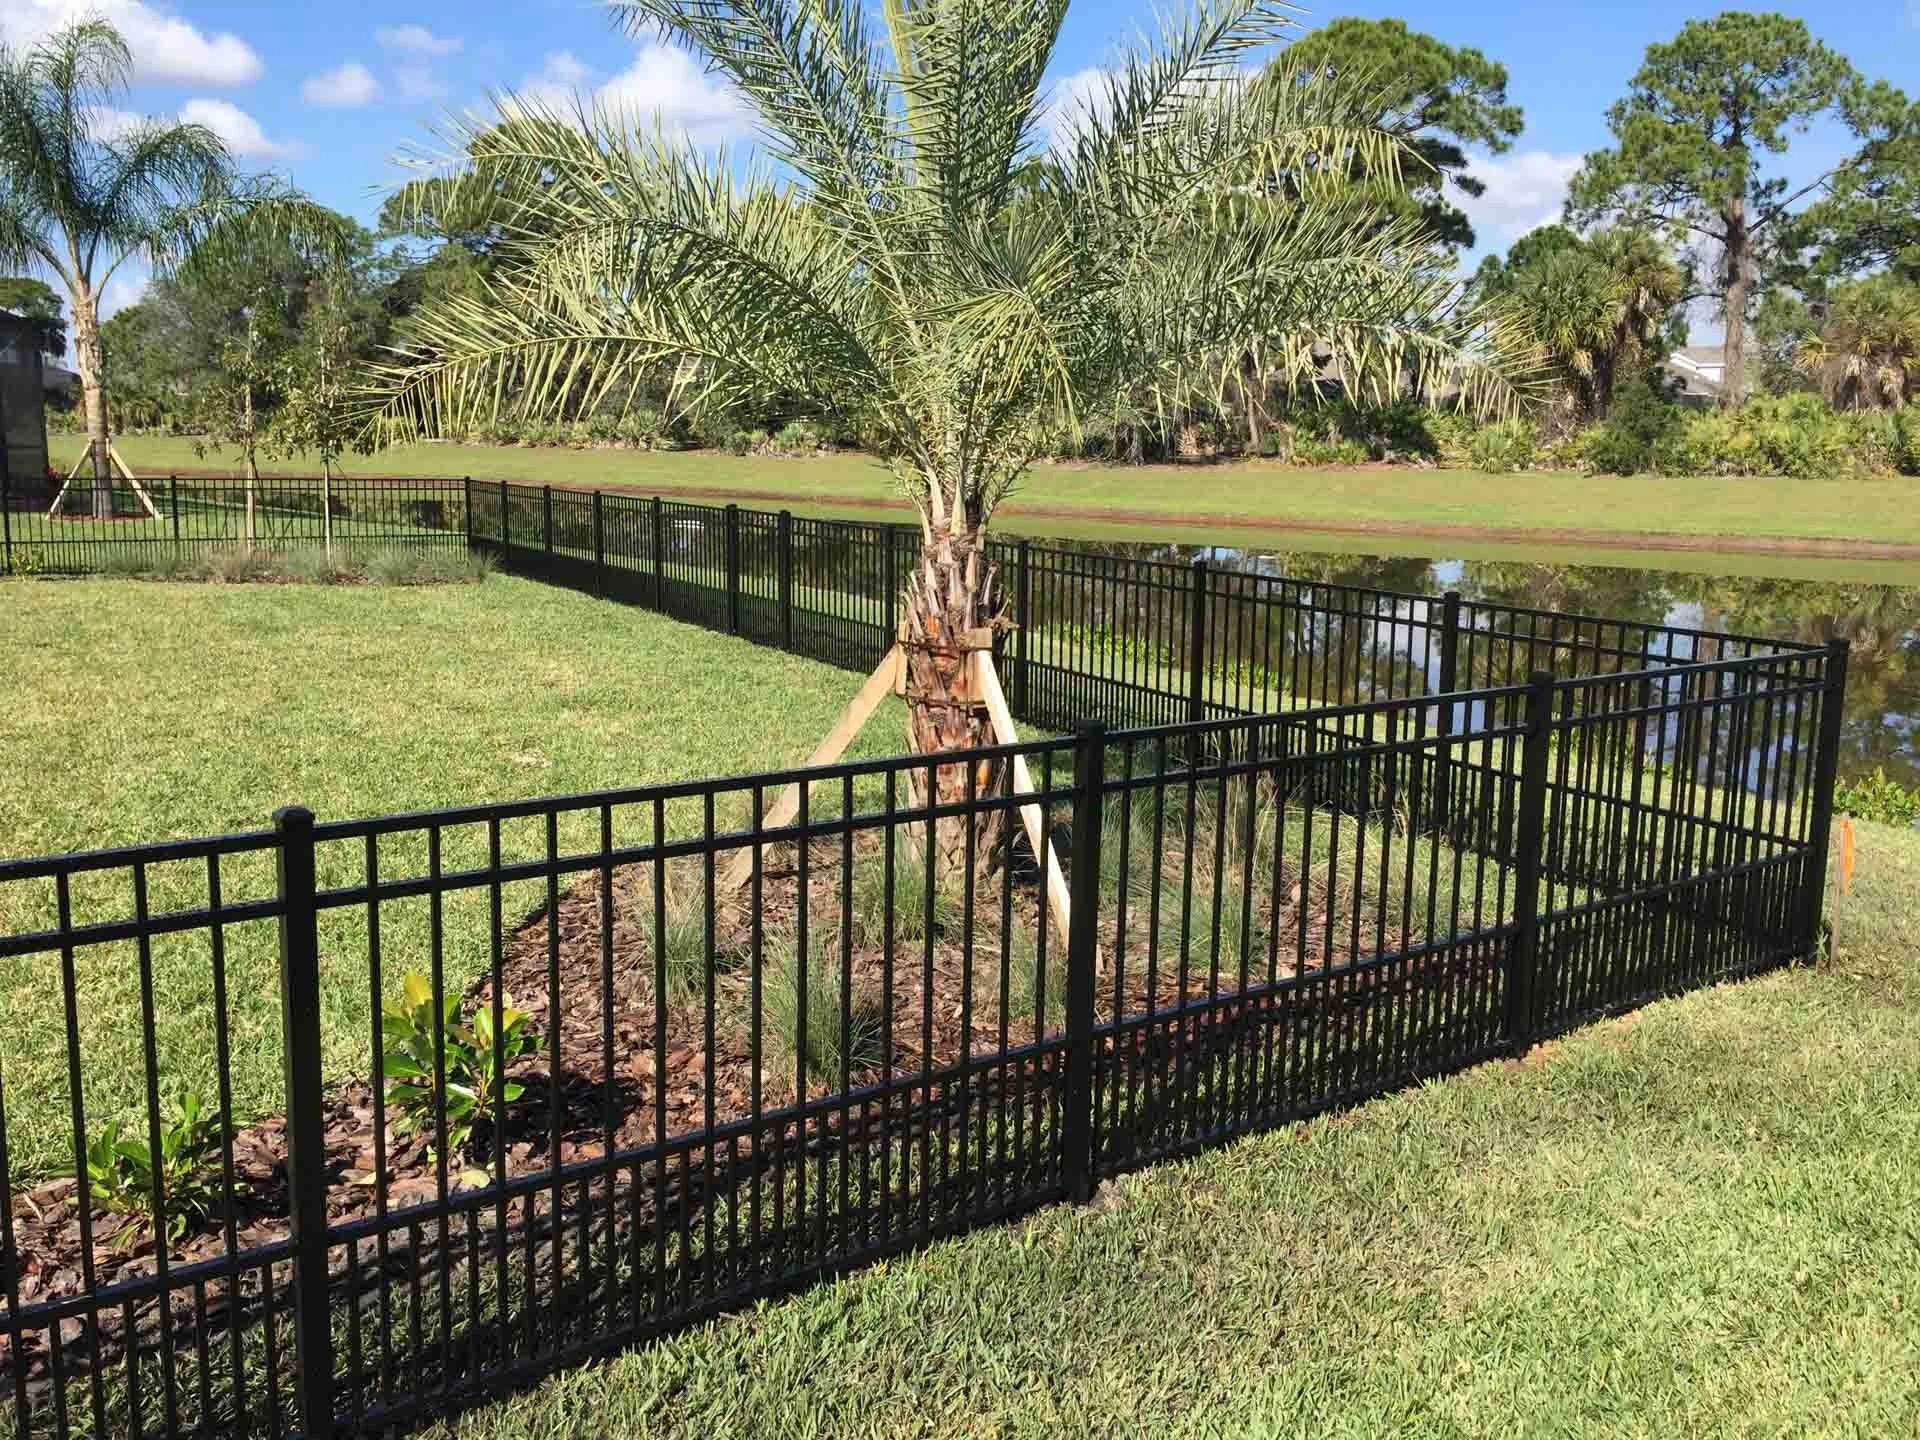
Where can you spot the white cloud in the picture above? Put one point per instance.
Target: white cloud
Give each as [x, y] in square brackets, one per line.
[347, 88]
[668, 87]
[1525, 190]
[235, 126]
[1071, 101]
[110, 124]
[164, 47]
[417, 40]
[557, 83]
[420, 82]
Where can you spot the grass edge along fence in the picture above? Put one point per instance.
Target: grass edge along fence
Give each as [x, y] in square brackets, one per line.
[192, 518]
[1271, 916]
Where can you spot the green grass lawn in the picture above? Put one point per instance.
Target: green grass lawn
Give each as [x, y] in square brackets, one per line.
[1698, 1219]
[142, 711]
[1695, 1220]
[1841, 509]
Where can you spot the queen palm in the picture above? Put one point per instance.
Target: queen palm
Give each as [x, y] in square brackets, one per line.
[896, 260]
[83, 190]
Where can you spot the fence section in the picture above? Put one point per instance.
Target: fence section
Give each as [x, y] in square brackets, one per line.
[546, 1078]
[191, 518]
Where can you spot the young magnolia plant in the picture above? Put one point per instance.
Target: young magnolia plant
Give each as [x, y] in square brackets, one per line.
[931, 249]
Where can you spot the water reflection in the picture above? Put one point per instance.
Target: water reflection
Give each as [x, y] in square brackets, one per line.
[1881, 622]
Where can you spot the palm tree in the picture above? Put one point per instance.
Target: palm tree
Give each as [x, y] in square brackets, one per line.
[81, 195]
[902, 263]
[1867, 354]
[1596, 307]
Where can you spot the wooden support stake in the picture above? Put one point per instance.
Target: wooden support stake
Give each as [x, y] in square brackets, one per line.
[1059, 894]
[133, 480]
[879, 685]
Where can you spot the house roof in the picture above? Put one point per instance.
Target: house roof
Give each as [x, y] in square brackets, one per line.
[1703, 354]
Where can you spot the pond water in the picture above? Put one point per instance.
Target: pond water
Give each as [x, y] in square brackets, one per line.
[1882, 622]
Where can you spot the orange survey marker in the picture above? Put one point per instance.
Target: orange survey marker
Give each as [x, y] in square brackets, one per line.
[1846, 854]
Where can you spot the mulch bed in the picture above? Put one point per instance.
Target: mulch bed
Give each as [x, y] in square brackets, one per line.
[706, 1077]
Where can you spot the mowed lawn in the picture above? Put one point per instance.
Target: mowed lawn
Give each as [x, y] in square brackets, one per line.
[1700, 1219]
[144, 711]
[1254, 491]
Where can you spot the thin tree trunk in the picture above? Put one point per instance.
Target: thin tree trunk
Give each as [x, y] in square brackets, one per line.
[253, 465]
[90, 359]
[950, 608]
[1734, 350]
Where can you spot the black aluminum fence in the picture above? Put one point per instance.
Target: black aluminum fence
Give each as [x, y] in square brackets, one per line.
[547, 1078]
[190, 518]
[1118, 639]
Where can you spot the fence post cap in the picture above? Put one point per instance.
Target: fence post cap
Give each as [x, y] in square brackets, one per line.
[293, 817]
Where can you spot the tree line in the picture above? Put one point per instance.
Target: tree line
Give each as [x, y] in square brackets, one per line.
[252, 343]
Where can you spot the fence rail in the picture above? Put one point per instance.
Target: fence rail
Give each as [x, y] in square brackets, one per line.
[544, 1086]
[191, 518]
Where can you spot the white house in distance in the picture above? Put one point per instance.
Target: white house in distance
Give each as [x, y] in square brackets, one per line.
[1700, 372]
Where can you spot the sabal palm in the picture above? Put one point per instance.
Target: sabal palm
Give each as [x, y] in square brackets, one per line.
[903, 263]
[82, 193]
[1594, 309]
[1867, 354]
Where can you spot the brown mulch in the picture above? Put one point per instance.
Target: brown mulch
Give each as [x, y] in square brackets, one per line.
[704, 1076]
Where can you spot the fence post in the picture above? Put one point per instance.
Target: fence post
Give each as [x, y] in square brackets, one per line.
[890, 632]
[658, 513]
[306, 1120]
[599, 543]
[546, 517]
[733, 569]
[466, 505]
[786, 578]
[1825, 777]
[1197, 646]
[6, 516]
[173, 504]
[1076, 1113]
[1447, 682]
[1022, 618]
[506, 531]
[1523, 953]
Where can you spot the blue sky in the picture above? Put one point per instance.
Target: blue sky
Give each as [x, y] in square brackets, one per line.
[327, 91]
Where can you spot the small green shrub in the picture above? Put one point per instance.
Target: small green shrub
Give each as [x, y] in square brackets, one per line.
[126, 560]
[120, 1171]
[681, 913]
[29, 560]
[393, 567]
[1878, 798]
[311, 566]
[1795, 435]
[1502, 448]
[798, 437]
[237, 565]
[910, 896]
[1029, 987]
[837, 1035]
[470, 1063]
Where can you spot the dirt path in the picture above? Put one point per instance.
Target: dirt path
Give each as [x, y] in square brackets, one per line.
[1807, 546]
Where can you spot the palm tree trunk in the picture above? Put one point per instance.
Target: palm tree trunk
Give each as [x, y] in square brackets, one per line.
[90, 359]
[951, 608]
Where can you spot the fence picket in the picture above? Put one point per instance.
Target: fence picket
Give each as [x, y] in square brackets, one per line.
[306, 1120]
